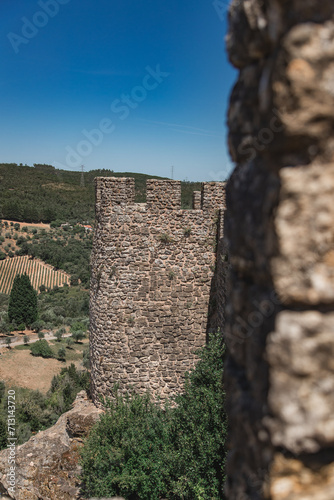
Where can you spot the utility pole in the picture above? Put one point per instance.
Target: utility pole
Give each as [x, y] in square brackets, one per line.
[82, 179]
[172, 172]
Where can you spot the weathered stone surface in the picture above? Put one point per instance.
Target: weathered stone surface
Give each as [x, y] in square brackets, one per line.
[300, 354]
[279, 372]
[292, 480]
[304, 269]
[47, 465]
[153, 281]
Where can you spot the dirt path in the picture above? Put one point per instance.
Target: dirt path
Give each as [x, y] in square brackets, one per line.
[32, 339]
[39, 225]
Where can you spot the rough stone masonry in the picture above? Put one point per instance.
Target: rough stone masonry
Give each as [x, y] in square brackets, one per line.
[280, 232]
[153, 277]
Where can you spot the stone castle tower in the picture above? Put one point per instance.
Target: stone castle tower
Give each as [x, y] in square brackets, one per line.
[153, 271]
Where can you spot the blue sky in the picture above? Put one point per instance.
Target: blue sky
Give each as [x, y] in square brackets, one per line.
[130, 86]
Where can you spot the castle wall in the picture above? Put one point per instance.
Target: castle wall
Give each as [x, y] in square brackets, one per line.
[152, 271]
[279, 372]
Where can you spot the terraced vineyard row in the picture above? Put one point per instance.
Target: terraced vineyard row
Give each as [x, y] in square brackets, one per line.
[39, 273]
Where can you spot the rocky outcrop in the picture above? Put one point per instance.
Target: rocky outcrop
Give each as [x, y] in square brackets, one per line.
[280, 235]
[47, 466]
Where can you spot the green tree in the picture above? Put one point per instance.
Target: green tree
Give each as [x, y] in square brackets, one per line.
[77, 336]
[37, 325]
[74, 280]
[59, 335]
[26, 340]
[12, 210]
[69, 342]
[78, 326]
[22, 306]
[42, 348]
[62, 354]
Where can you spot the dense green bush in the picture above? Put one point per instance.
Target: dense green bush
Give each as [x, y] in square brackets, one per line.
[61, 354]
[4, 320]
[38, 325]
[140, 450]
[65, 387]
[59, 333]
[77, 326]
[69, 342]
[77, 336]
[42, 348]
[126, 452]
[86, 358]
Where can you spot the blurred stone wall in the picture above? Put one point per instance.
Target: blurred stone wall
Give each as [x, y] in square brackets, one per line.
[280, 235]
[153, 284]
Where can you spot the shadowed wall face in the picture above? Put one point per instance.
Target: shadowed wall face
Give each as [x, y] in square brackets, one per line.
[280, 234]
[152, 270]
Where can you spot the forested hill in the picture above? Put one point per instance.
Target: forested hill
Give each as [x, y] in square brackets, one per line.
[42, 193]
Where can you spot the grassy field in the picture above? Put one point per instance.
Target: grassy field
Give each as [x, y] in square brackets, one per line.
[38, 272]
[19, 368]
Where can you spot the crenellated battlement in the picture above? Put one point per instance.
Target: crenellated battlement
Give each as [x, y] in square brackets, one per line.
[111, 191]
[163, 195]
[213, 195]
[160, 194]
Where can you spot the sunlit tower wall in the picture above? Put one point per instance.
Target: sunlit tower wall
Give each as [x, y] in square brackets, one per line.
[153, 265]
